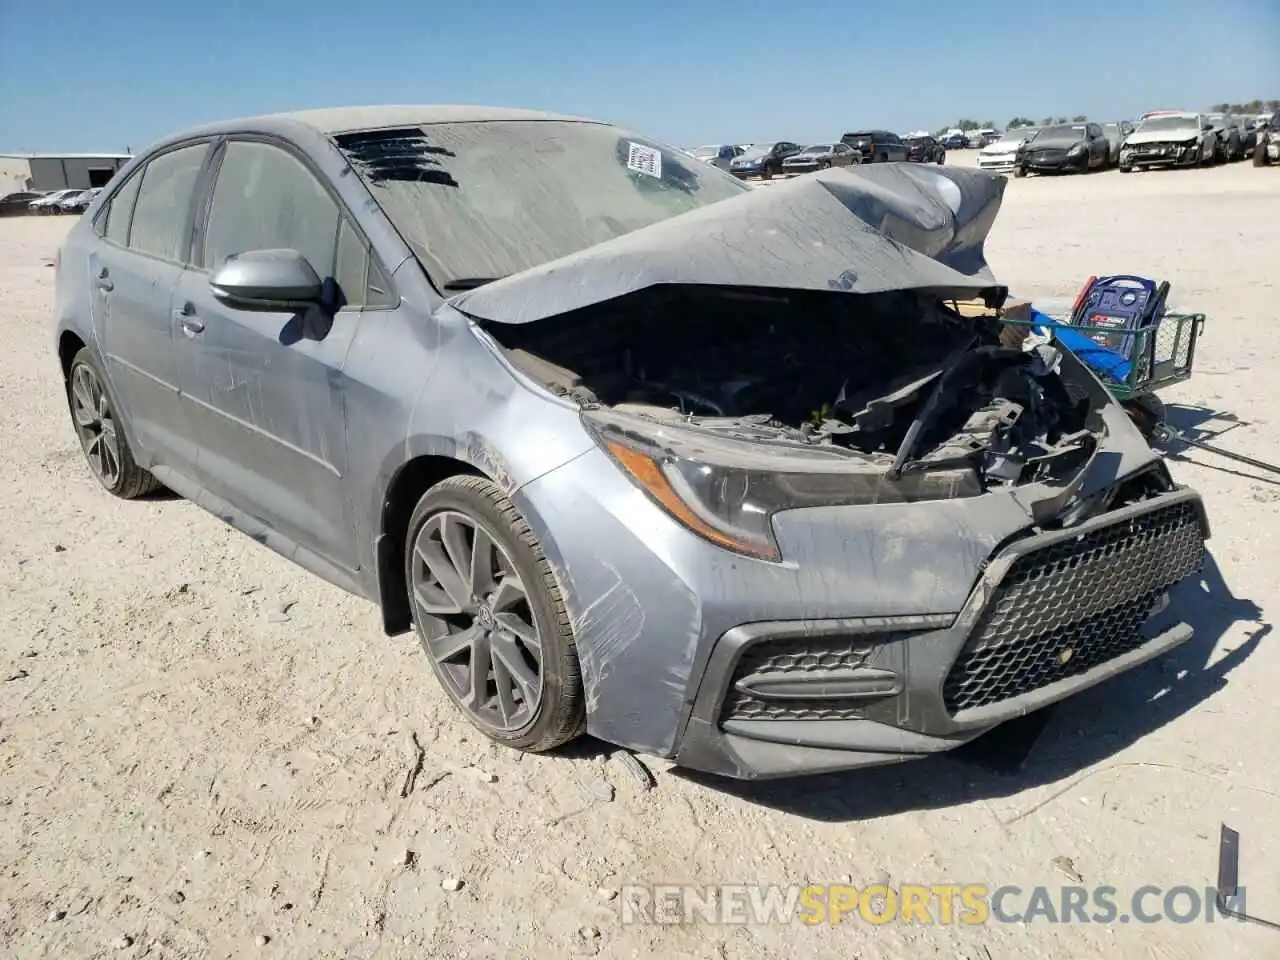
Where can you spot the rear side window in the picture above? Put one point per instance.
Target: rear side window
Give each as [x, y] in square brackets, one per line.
[120, 211]
[267, 199]
[159, 225]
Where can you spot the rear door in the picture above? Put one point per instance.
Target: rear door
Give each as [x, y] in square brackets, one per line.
[266, 389]
[144, 233]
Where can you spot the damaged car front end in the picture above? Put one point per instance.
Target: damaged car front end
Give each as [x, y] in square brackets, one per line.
[827, 521]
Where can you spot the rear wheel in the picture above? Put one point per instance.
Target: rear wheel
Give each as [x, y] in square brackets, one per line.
[106, 449]
[490, 616]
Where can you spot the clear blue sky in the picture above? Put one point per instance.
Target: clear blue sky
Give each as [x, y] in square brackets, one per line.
[80, 76]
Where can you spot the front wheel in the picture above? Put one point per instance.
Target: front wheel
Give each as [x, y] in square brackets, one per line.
[1019, 171]
[97, 424]
[1126, 168]
[491, 618]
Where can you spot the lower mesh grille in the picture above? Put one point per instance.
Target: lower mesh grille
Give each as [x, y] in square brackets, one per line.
[794, 657]
[1065, 609]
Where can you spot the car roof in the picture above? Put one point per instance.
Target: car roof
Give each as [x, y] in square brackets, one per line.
[332, 121]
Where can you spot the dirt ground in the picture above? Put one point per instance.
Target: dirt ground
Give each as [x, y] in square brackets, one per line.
[207, 752]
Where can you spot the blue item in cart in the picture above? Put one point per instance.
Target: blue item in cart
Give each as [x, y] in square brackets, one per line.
[1110, 363]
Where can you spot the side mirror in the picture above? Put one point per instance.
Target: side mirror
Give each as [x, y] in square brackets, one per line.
[267, 280]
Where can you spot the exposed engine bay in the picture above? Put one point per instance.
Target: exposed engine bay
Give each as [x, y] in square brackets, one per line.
[898, 379]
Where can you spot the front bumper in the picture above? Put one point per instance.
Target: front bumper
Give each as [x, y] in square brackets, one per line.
[1055, 165]
[1160, 155]
[997, 163]
[1051, 615]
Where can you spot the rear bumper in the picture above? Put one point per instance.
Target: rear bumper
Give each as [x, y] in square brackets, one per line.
[1051, 615]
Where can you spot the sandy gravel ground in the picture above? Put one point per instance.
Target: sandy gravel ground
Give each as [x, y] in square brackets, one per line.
[188, 771]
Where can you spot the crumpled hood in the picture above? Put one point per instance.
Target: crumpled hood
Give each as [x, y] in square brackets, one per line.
[1179, 135]
[862, 230]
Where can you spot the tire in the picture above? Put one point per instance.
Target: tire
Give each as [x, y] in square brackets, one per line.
[1123, 169]
[1147, 413]
[1260, 154]
[100, 431]
[1019, 171]
[942, 158]
[559, 713]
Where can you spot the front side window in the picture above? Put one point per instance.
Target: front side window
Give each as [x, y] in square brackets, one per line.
[266, 199]
[159, 225]
[481, 200]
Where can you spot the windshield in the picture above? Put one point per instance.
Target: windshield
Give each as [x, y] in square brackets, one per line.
[1070, 131]
[758, 150]
[706, 153]
[482, 200]
[818, 148]
[1168, 123]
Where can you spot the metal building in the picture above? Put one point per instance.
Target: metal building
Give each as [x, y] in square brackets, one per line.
[57, 171]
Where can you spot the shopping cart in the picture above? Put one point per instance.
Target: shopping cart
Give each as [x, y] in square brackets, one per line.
[1120, 327]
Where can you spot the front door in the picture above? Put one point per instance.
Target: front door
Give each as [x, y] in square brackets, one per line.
[133, 271]
[265, 389]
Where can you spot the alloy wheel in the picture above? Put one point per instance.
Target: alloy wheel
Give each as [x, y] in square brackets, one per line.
[475, 621]
[95, 425]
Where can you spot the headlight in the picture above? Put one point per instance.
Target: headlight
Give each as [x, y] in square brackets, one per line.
[732, 505]
[1076, 150]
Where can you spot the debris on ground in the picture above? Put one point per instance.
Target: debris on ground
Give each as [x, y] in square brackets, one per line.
[597, 789]
[638, 772]
[1068, 867]
[278, 610]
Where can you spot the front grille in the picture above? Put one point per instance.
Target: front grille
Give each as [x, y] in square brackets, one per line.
[1048, 156]
[1062, 610]
[793, 657]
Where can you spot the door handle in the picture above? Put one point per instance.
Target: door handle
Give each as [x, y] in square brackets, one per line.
[105, 282]
[191, 324]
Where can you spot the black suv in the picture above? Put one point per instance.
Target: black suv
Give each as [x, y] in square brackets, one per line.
[925, 150]
[877, 146]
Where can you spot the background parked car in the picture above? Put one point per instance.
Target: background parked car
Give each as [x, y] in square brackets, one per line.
[79, 202]
[1064, 148]
[763, 159]
[1168, 138]
[925, 149]
[955, 141]
[719, 155]
[1267, 149]
[1229, 138]
[820, 156]
[1000, 157]
[49, 202]
[1115, 131]
[877, 146]
[981, 138]
[18, 204]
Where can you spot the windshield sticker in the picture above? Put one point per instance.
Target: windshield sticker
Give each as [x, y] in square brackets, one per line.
[644, 160]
